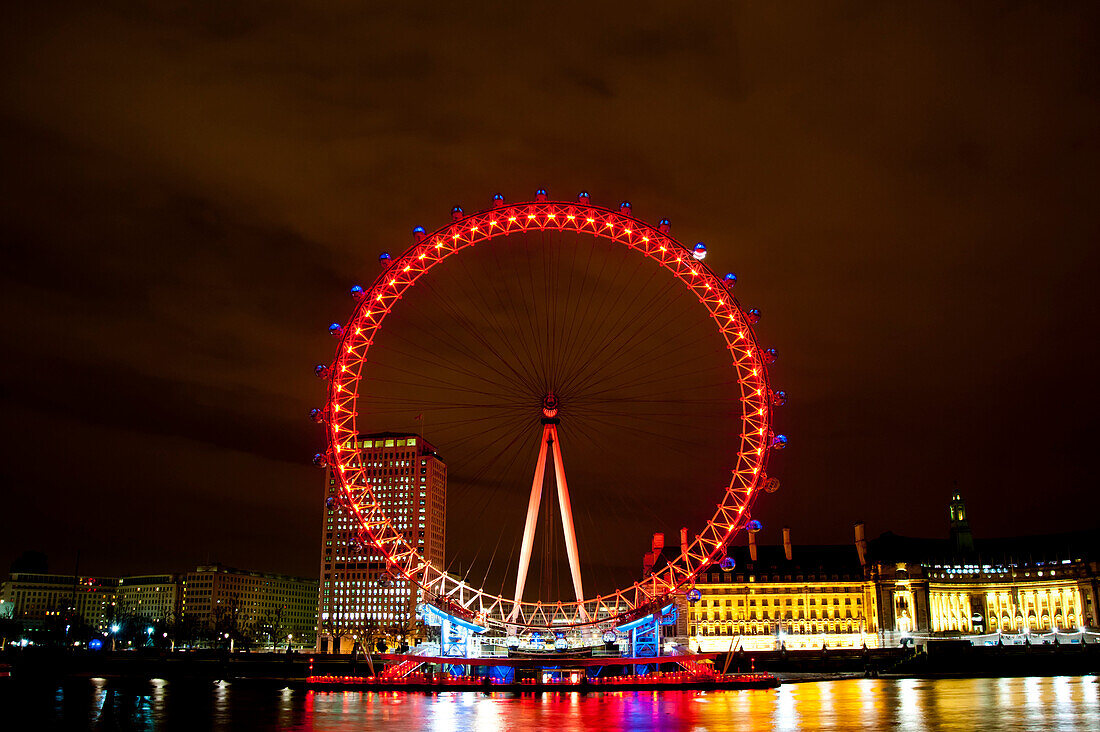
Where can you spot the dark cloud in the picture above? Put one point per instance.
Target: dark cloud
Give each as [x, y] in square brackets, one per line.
[187, 191]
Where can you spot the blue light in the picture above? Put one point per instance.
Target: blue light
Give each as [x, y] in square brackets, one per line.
[321, 371]
[335, 329]
[317, 415]
[356, 290]
[731, 279]
[779, 442]
[700, 251]
[95, 644]
[753, 316]
[320, 460]
[694, 595]
[384, 257]
[728, 564]
[770, 356]
[779, 398]
[754, 526]
[418, 230]
[583, 197]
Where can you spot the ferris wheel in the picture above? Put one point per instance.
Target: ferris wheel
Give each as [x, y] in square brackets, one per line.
[540, 405]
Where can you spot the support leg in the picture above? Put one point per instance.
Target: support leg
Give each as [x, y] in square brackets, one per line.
[532, 520]
[567, 517]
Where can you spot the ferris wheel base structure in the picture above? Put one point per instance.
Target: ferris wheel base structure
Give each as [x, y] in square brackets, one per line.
[453, 596]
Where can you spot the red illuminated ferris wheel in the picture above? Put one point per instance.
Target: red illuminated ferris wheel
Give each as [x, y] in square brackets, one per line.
[746, 363]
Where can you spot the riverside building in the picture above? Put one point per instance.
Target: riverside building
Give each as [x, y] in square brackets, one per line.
[358, 599]
[220, 597]
[894, 589]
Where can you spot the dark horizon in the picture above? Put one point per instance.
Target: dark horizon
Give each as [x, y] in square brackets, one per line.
[907, 193]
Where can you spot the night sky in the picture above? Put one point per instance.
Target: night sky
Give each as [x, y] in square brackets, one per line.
[908, 193]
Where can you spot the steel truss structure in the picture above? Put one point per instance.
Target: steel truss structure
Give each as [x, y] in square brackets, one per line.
[748, 360]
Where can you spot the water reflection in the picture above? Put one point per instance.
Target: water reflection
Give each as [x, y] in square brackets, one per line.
[1063, 703]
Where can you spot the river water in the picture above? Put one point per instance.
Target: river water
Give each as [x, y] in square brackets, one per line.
[1057, 703]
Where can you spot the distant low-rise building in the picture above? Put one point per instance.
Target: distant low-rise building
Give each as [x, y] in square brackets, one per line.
[153, 597]
[39, 600]
[222, 597]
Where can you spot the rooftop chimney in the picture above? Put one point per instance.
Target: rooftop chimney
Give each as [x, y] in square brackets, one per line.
[787, 542]
[752, 545]
[658, 542]
[861, 544]
[651, 556]
[684, 540]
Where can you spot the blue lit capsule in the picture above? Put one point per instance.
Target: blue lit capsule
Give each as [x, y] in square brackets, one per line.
[694, 595]
[770, 355]
[624, 208]
[753, 316]
[561, 644]
[731, 280]
[498, 200]
[583, 197]
[336, 330]
[419, 234]
[727, 564]
[317, 415]
[700, 251]
[609, 636]
[320, 460]
[321, 371]
[664, 225]
[779, 398]
[385, 260]
[456, 213]
[330, 502]
[779, 442]
[754, 526]
[540, 194]
[357, 292]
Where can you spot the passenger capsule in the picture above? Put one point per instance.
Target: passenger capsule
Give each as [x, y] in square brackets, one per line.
[540, 194]
[624, 208]
[727, 564]
[511, 641]
[330, 502]
[731, 280]
[560, 644]
[664, 226]
[583, 197]
[321, 371]
[753, 316]
[456, 213]
[498, 200]
[419, 234]
[357, 292]
[770, 355]
[771, 485]
[694, 595]
[779, 442]
[609, 636]
[754, 526]
[317, 415]
[700, 251]
[385, 260]
[320, 460]
[336, 330]
[779, 398]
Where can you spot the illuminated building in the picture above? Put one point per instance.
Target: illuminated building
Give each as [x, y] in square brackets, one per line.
[883, 591]
[779, 597]
[357, 596]
[1032, 584]
[223, 597]
[154, 597]
[39, 600]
